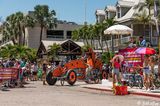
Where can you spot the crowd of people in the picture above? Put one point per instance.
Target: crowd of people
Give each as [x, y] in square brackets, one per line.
[147, 70]
[33, 71]
[141, 42]
[28, 71]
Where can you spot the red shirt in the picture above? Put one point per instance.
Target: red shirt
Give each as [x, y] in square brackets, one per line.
[117, 65]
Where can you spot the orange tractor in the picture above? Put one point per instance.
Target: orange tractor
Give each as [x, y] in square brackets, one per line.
[75, 70]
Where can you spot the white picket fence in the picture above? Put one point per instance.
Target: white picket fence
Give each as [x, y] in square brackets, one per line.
[109, 42]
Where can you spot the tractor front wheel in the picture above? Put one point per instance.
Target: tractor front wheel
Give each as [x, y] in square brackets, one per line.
[50, 79]
[72, 77]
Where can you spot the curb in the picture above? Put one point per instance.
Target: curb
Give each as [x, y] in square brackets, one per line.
[144, 94]
[99, 89]
[129, 92]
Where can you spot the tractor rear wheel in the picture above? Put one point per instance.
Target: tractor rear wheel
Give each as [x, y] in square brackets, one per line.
[50, 80]
[72, 77]
[104, 75]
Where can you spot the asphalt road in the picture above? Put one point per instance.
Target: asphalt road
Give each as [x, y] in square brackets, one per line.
[36, 94]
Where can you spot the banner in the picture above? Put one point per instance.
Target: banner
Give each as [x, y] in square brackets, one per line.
[8, 73]
[130, 57]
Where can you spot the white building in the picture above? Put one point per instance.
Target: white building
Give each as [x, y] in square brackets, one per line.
[60, 33]
[124, 13]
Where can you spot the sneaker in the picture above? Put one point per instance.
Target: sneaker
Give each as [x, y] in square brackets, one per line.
[148, 90]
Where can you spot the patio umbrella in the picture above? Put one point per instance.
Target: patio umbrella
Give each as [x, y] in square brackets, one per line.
[145, 50]
[118, 30]
[121, 57]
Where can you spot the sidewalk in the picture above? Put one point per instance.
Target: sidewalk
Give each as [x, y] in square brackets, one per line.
[134, 91]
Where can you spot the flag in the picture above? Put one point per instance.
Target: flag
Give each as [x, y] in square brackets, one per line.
[155, 8]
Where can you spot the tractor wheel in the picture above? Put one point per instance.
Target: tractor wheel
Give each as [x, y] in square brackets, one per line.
[50, 80]
[104, 75]
[72, 77]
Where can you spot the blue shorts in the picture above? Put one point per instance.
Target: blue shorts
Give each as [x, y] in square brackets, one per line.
[115, 71]
[146, 71]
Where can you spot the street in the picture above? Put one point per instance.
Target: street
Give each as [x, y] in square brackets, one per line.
[36, 94]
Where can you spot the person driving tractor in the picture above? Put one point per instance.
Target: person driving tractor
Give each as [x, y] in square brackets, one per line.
[90, 65]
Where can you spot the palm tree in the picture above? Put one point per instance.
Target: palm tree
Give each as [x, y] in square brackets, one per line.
[92, 34]
[82, 33]
[75, 35]
[18, 22]
[17, 51]
[10, 30]
[21, 51]
[32, 55]
[44, 17]
[147, 4]
[98, 31]
[27, 22]
[142, 17]
[14, 27]
[22, 22]
[53, 50]
[106, 24]
[7, 51]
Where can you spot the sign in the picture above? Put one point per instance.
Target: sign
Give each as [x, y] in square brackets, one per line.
[130, 57]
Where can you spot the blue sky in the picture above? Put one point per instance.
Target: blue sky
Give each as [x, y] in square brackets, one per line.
[70, 10]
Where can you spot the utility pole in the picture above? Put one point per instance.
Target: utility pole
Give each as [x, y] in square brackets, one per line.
[85, 13]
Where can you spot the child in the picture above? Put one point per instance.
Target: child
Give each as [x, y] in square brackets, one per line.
[39, 74]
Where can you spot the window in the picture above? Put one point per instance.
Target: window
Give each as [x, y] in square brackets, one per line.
[69, 34]
[158, 8]
[107, 15]
[118, 12]
[55, 34]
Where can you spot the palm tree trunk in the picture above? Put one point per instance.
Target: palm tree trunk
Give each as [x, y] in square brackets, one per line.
[13, 40]
[106, 44]
[91, 40]
[24, 37]
[99, 41]
[20, 35]
[41, 34]
[86, 39]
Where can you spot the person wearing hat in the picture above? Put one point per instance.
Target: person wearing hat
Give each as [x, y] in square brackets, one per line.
[116, 65]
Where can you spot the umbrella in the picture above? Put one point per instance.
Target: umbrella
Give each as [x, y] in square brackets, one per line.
[145, 50]
[118, 30]
[121, 57]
